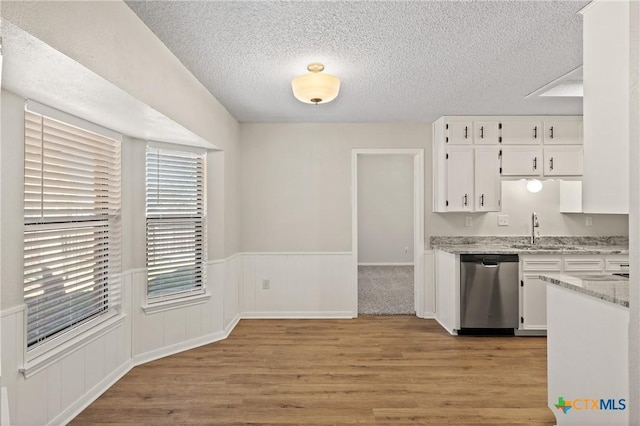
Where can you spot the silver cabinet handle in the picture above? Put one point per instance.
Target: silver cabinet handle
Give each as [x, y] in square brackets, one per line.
[551, 163]
[465, 202]
[535, 163]
[535, 132]
[481, 132]
[482, 200]
[466, 132]
[551, 132]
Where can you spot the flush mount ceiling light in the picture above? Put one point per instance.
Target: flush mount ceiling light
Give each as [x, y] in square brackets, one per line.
[315, 88]
[534, 185]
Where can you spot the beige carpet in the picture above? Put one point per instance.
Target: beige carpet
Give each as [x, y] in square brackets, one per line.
[385, 290]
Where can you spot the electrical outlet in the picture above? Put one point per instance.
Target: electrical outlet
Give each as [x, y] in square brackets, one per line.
[589, 221]
[266, 284]
[503, 220]
[468, 221]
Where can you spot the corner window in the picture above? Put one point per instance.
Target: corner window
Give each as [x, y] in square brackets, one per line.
[71, 225]
[175, 222]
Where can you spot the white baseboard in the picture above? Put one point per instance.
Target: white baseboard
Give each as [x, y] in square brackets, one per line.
[229, 328]
[449, 330]
[300, 315]
[77, 407]
[385, 264]
[178, 347]
[428, 315]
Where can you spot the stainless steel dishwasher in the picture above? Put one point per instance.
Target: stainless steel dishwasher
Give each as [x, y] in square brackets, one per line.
[488, 293]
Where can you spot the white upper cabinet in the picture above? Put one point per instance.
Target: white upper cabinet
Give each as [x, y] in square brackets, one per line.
[521, 132]
[459, 164]
[486, 132]
[606, 34]
[521, 161]
[566, 132]
[472, 154]
[487, 179]
[459, 133]
[563, 160]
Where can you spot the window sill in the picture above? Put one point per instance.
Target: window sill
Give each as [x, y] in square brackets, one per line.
[42, 361]
[167, 305]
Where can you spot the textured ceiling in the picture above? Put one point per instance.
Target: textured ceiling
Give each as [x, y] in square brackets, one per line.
[398, 61]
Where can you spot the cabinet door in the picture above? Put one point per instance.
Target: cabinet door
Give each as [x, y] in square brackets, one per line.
[521, 132]
[459, 178]
[459, 133]
[486, 132]
[563, 132]
[521, 161]
[563, 160]
[534, 302]
[487, 179]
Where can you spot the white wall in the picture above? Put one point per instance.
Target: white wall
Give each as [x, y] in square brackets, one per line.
[295, 191]
[385, 208]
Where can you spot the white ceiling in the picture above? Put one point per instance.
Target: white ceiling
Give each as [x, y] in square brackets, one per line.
[399, 61]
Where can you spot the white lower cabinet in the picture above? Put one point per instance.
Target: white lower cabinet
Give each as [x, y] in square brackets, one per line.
[533, 291]
[447, 277]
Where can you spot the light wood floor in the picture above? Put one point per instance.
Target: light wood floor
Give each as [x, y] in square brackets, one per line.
[371, 370]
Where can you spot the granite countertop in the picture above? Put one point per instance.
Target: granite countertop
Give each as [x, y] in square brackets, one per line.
[522, 245]
[611, 288]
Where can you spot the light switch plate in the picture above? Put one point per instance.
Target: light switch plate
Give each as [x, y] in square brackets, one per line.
[468, 221]
[503, 220]
[589, 221]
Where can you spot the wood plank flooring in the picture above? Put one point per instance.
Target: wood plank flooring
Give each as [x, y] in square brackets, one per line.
[398, 370]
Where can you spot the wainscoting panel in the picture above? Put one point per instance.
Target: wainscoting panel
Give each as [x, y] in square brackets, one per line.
[297, 285]
[57, 392]
[232, 278]
[429, 294]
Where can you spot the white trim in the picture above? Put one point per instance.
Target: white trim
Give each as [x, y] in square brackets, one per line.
[449, 330]
[176, 147]
[301, 253]
[42, 361]
[186, 345]
[587, 7]
[90, 396]
[300, 315]
[385, 264]
[229, 328]
[14, 310]
[67, 118]
[418, 220]
[175, 303]
[135, 271]
[4, 409]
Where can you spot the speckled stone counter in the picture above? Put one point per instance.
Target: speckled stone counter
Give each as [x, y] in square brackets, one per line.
[611, 288]
[522, 245]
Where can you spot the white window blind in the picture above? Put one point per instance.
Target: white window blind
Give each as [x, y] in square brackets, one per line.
[175, 223]
[71, 234]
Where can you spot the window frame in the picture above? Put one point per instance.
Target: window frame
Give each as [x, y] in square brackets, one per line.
[198, 294]
[59, 342]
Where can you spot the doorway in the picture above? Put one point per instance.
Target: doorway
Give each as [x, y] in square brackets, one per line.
[387, 231]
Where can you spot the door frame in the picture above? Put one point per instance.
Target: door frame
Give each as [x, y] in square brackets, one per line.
[418, 222]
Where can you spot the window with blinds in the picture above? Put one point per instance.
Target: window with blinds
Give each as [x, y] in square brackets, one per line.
[175, 224]
[71, 233]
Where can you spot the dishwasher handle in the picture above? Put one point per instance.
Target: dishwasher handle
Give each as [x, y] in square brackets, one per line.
[489, 264]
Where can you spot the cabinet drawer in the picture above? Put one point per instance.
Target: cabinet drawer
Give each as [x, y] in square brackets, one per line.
[616, 264]
[545, 264]
[584, 265]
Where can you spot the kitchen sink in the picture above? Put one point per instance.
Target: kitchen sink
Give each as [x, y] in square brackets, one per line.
[541, 247]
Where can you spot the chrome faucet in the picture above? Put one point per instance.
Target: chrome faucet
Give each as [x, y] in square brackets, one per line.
[534, 224]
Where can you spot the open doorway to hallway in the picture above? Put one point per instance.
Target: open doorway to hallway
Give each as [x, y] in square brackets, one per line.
[385, 228]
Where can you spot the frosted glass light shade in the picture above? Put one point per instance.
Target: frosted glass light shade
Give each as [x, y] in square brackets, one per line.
[534, 185]
[316, 88]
